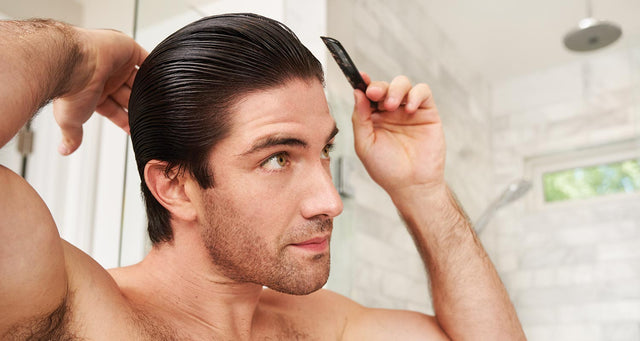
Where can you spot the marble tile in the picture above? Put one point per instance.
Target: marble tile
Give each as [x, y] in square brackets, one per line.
[628, 249]
[622, 331]
[579, 332]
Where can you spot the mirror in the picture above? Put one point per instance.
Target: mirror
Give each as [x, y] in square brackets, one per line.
[517, 107]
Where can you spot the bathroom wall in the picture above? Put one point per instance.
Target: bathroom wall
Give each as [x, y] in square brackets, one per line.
[573, 269]
[374, 259]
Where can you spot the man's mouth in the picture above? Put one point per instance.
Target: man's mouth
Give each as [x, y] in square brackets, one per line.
[318, 244]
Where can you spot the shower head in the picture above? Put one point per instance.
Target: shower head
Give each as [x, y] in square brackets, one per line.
[592, 34]
[513, 192]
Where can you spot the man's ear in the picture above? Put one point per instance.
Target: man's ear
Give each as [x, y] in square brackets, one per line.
[169, 188]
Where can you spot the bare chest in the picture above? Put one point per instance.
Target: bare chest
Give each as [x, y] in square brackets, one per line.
[275, 327]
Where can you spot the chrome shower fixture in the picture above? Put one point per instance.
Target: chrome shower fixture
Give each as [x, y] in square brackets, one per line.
[592, 34]
[513, 192]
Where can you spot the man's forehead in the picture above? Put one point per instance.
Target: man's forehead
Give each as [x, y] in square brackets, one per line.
[298, 107]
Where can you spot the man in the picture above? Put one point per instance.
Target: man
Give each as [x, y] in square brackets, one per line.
[232, 136]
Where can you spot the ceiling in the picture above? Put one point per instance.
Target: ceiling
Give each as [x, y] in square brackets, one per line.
[507, 38]
[503, 38]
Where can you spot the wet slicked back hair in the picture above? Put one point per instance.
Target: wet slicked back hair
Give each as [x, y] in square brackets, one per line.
[184, 92]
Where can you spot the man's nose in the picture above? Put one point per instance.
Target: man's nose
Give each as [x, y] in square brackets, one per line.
[320, 195]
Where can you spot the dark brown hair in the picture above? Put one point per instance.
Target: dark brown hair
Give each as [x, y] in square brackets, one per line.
[183, 93]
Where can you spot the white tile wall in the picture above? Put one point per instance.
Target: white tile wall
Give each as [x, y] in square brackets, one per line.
[386, 39]
[573, 271]
[577, 269]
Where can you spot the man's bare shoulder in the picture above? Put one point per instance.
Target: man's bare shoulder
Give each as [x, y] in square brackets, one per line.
[322, 313]
[353, 321]
[50, 290]
[321, 301]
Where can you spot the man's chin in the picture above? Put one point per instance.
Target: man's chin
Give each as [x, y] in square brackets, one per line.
[303, 282]
[298, 290]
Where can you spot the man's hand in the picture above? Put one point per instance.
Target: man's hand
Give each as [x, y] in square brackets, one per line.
[402, 147]
[85, 70]
[401, 143]
[102, 83]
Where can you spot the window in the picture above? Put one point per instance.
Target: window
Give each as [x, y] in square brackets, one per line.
[605, 172]
[592, 181]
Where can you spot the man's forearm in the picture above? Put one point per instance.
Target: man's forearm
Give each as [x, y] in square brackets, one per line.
[38, 60]
[469, 299]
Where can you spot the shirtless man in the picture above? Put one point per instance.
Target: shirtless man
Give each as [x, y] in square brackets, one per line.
[232, 135]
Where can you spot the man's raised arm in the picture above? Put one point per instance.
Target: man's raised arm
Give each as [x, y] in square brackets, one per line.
[86, 70]
[402, 147]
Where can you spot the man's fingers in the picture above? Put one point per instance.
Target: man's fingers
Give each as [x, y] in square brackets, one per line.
[397, 92]
[110, 91]
[365, 77]
[377, 90]
[121, 96]
[115, 113]
[70, 115]
[132, 77]
[362, 124]
[389, 95]
[420, 96]
[140, 56]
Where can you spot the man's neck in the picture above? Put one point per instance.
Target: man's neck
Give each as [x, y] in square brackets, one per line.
[184, 290]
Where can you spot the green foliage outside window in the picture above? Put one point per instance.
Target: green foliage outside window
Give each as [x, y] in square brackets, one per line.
[592, 181]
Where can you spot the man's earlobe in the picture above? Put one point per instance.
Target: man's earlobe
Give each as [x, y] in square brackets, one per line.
[169, 188]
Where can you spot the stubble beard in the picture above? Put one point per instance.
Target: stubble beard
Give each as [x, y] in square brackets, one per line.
[245, 257]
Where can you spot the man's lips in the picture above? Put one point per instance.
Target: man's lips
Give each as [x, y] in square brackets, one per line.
[317, 244]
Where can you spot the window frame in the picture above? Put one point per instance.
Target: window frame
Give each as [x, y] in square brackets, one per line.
[535, 167]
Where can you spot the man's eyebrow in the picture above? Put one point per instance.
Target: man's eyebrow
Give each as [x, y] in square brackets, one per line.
[274, 140]
[334, 132]
[282, 140]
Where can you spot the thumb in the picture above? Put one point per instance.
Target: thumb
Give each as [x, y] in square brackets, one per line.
[70, 126]
[362, 123]
[71, 139]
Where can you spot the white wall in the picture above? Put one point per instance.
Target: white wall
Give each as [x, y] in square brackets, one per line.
[572, 269]
[69, 11]
[108, 218]
[374, 260]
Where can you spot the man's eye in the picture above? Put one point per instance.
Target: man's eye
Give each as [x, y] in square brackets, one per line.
[326, 151]
[276, 162]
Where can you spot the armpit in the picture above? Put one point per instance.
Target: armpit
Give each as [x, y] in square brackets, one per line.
[50, 327]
